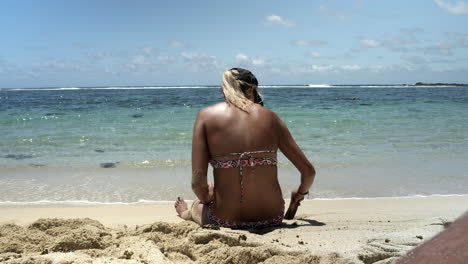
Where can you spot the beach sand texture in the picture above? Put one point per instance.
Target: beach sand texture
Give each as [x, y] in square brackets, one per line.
[324, 231]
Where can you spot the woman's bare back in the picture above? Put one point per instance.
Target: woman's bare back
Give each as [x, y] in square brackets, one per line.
[231, 130]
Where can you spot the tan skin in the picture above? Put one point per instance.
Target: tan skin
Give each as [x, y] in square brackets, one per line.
[224, 128]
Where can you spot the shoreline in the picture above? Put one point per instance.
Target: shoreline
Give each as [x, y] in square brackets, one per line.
[331, 231]
[86, 203]
[164, 211]
[43, 186]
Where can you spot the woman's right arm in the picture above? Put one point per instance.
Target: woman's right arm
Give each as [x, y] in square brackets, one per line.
[291, 150]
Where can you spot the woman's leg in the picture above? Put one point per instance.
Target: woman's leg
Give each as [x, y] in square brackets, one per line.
[196, 213]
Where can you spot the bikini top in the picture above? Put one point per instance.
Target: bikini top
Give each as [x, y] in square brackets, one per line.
[245, 160]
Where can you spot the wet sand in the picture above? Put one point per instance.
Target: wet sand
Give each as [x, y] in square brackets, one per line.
[324, 231]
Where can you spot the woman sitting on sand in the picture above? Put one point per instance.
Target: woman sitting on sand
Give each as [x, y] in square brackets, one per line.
[240, 138]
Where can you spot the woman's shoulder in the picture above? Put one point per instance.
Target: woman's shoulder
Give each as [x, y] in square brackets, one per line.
[220, 109]
[210, 111]
[213, 108]
[266, 112]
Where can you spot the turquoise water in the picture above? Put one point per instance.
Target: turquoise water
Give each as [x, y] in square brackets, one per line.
[366, 141]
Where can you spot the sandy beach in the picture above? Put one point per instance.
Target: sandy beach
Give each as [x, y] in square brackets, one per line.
[324, 231]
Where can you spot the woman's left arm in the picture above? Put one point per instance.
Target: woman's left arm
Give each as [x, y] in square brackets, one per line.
[200, 155]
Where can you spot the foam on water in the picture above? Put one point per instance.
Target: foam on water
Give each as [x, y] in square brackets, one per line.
[217, 87]
[78, 203]
[108, 88]
[319, 85]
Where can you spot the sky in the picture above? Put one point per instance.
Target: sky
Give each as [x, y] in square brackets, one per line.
[56, 43]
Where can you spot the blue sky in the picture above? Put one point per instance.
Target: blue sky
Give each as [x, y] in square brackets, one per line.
[102, 43]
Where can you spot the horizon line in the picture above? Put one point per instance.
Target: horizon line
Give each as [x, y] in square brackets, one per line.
[417, 84]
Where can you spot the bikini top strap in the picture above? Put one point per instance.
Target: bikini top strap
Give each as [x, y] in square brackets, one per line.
[243, 153]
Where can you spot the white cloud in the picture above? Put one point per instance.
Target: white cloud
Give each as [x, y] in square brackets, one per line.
[7, 68]
[58, 65]
[369, 43]
[298, 68]
[376, 68]
[148, 50]
[458, 8]
[310, 68]
[434, 61]
[412, 31]
[330, 68]
[351, 67]
[440, 48]
[201, 62]
[178, 43]
[321, 68]
[404, 41]
[140, 60]
[145, 59]
[462, 38]
[97, 55]
[314, 54]
[242, 57]
[258, 62]
[16, 72]
[247, 61]
[324, 10]
[138, 63]
[309, 43]
[277, 20]
[165, 58]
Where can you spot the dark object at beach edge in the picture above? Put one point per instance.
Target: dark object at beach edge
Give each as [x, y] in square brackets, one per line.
[18, 156]
[107, 165]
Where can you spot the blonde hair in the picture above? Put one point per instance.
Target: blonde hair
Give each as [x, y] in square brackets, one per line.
[233, 92]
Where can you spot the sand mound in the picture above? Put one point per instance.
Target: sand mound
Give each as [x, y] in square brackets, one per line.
[86, 237]
[50, 241]
[53, 235]
[187, 242]
[61, 224]
[383, 252]
[17, 239]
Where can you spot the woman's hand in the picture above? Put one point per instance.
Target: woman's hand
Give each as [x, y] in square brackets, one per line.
[211, 192]
[296, 196]
[296, 199]
[208, 193]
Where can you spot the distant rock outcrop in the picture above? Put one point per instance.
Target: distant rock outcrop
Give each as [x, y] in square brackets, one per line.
[440, 84]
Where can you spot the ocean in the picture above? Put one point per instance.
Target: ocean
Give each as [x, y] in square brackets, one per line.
[117, 145]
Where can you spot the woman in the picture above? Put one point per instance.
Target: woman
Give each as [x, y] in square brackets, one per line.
[240, 138]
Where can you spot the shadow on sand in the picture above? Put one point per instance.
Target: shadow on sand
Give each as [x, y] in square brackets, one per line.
[294, 224]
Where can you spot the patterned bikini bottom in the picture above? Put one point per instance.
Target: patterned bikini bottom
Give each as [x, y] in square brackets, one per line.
[214, 220]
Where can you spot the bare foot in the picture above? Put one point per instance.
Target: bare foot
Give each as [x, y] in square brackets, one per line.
[182, 208]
